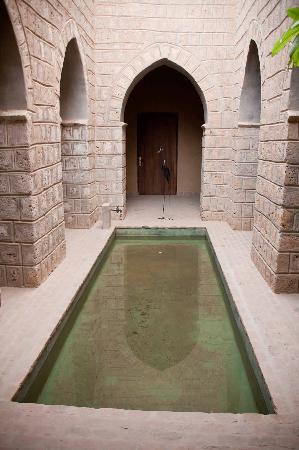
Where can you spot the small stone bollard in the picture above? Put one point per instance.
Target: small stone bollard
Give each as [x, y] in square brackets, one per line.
[106, 215]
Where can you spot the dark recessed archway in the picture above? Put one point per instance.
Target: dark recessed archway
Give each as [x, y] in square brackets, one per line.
[12, 84]
[73, 97]
[78, 192]
[250, 102]
[160, 99]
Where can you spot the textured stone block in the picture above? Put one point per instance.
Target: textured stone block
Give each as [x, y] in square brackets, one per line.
[28, 232]
[294, 262]
[73, 191]
[32, 254]
[3, 281]
[285, 283]
[14, 276]
[17, 134]
[84, 221]
[32, 276]
[23, 160]
[70, 220]
[291, 196]
[289, 242]
[3, 135]
[6, 159]
[9, 208]
[10, 254]
[6, 231]
[4, 184]
[30, 208]
[21, 183]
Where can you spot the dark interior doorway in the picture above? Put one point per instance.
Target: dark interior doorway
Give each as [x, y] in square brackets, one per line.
[157, 153]
[164, 90]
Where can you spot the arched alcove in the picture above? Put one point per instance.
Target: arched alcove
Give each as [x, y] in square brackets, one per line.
[73, 96]
[166, 102]
[79, 194]
[246, 143]
[250, 102]
[12, 84]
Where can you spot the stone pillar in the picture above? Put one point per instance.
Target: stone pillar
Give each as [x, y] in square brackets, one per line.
[31, 212]
[79, 189]
[243, 182]
[216, 167]
[110, 168]
[275, 248]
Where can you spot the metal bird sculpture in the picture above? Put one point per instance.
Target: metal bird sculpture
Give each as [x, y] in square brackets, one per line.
[166, 172]
[167, 176]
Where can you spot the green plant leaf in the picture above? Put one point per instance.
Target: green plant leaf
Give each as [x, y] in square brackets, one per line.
[293, 13]
[295, 57]
[294, 46]
[285, 38]
[295, 24]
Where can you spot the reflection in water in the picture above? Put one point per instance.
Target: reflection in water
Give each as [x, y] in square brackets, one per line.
[152, 333]
[161, 302]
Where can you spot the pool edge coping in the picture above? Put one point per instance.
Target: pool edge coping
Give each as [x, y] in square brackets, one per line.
[203, 232]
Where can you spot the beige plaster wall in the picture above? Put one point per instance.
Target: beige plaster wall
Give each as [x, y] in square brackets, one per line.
[166, 90]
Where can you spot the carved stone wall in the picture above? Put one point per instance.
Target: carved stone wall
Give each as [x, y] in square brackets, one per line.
[54, 175]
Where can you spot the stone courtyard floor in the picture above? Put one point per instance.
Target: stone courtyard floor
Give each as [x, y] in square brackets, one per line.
[28, 317]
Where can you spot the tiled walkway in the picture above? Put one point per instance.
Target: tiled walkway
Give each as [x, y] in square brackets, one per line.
[29, 316]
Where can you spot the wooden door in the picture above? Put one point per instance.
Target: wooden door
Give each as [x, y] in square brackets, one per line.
[157, 153]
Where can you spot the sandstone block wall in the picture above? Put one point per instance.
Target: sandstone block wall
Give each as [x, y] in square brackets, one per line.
[79, 190]
[55, 174]
[243, 180]
[32, 241]
[275, 237]
[131, 38]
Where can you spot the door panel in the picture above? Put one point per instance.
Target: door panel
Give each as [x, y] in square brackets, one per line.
[157, 153]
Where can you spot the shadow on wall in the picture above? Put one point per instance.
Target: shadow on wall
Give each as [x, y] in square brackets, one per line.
[73, 97]
[250, 102]
[79, 195]
[12, 85]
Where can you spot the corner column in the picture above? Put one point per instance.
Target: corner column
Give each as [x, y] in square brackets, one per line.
[79, 190]
[32, 227]
[243, 182]
[216, 173]
[275, 247]
[110, 167]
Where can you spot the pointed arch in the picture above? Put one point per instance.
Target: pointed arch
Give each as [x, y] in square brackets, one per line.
[13, 92]
[79, 197]
[152, 57]
[70, 37]
[250, 101]
[160, 63]
[73, 94]
[164, 95]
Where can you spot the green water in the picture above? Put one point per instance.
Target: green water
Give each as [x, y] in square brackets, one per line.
[152, 331]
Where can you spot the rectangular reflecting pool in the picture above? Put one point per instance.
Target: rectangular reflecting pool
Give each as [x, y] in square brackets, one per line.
[153, 328]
